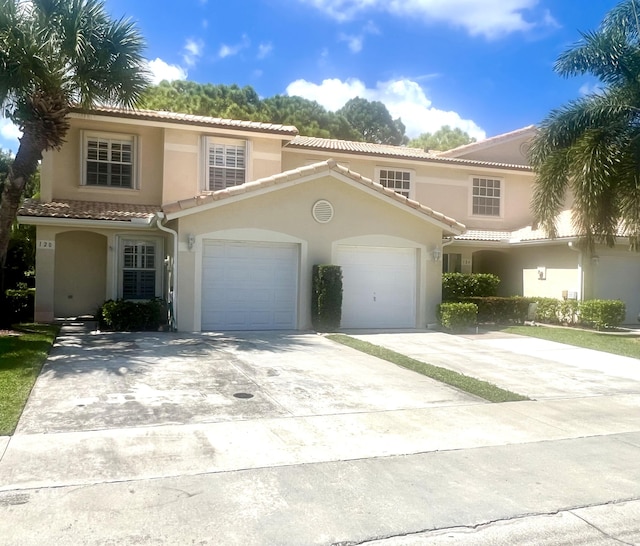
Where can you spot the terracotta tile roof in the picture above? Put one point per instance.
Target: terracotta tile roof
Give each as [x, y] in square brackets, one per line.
[564, 226]
[491, 141]
[190, 119]
[302, 172]
[87, 210]
[383, 150]
[484, 235]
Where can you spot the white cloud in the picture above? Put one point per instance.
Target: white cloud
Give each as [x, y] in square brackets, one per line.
[9, 135]
[354, 42]
[192, 51]
[230, 50]
[403, 98]
[264, 50]
[590, 89]
[489, 18]
[161, 70]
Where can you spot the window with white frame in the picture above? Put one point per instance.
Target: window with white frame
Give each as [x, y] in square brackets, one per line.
[109, 160]
[139, 269]
[397, 180]
[226, 164]
[487, 195]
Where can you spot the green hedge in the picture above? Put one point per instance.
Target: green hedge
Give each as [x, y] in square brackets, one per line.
[601, 314]
[501, 310]
[457, 316]
[326, 302]
[125, 315]
[20, 304]
[597, 314]
[553, 311]
[458, 286]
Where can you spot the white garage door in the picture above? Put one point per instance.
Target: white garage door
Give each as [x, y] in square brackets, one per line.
[379, 287]
[618, 278]
[249, 286]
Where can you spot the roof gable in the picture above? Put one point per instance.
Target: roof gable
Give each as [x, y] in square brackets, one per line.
[304, 174]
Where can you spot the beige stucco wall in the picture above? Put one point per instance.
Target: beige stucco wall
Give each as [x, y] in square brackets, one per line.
[61, 176]
[447, 189]
[285, 215]
[184, 162]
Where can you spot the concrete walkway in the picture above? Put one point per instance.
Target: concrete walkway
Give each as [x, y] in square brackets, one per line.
[344, 465]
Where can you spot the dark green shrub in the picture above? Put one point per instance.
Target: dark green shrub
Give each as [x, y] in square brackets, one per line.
[601, 314]
[125, 315]
[457, 316]
[501, 310]
[20, 303]
[458, 286]
[326, 299]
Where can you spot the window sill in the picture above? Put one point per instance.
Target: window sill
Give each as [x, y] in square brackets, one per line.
[107, 189]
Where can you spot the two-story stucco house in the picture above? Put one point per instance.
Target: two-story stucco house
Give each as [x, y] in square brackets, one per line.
[227, 218]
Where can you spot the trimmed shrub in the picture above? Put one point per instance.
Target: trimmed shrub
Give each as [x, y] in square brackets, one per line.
[569, 311]
[457, 316]
[326, 302]
[601, 314]
[20, 303]
[548, 310]
[458, 286]
[501, 310]
[125, 315]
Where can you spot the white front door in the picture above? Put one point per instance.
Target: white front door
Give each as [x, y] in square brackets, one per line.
[249, 285]
[379, 286]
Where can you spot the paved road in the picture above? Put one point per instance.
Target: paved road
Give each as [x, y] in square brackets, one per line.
[139, 439]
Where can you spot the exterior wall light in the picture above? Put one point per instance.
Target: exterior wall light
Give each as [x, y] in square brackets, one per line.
[191, 240]
[436, 254]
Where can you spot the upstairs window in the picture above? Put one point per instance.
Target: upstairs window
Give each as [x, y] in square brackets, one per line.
[109, 161]
[396, 180]
[487, 194]
[139, 269]
[226, 164]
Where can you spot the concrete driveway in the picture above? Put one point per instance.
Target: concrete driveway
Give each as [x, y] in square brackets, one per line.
[533, 367]
[95, 381]
[142, 439]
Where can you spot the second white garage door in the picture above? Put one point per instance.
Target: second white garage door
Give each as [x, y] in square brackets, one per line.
[379, 286]
[249, 285]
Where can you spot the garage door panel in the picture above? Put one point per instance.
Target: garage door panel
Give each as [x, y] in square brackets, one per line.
[379, 287]
[249, 286]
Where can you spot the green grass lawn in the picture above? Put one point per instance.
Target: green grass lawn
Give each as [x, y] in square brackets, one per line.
[619, 344]
[21, 358]
[477, 387]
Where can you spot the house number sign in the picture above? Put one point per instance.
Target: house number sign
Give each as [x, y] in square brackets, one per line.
[50, 245]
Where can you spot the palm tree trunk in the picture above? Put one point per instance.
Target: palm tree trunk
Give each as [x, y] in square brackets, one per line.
[23, 167]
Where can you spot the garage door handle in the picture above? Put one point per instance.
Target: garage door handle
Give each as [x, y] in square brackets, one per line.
[374, 296]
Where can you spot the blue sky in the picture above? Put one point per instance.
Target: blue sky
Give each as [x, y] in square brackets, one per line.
[485, 66]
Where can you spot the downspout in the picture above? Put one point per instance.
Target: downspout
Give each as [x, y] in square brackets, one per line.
[173, 299]
[580, 271]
